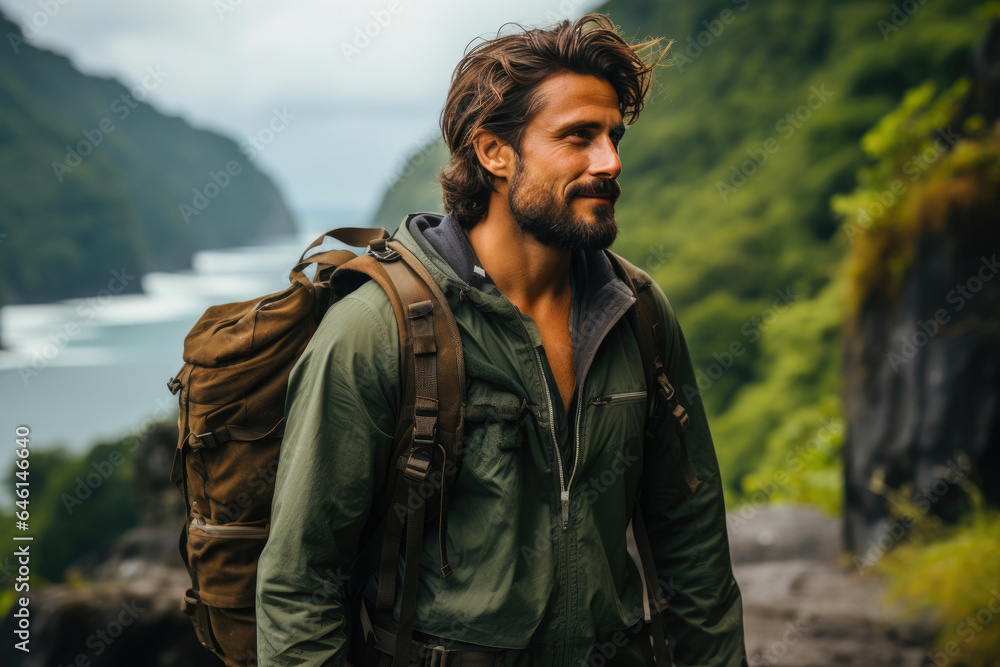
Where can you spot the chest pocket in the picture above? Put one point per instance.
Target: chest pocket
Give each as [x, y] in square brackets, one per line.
[493, 438]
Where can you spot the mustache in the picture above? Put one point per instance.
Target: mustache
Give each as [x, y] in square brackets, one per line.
[604, 187]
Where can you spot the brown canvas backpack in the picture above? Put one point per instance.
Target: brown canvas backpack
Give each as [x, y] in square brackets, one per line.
[232, 390]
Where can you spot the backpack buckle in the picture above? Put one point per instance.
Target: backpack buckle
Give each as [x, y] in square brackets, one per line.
[378, 249]
[670, 398]
[418, 464]
[211, 439]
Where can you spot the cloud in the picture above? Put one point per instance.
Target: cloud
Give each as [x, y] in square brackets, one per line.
[231, 62]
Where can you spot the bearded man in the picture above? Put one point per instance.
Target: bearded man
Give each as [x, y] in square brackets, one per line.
[540, 541]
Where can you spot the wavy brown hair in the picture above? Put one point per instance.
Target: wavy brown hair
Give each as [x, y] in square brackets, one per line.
[494, 87]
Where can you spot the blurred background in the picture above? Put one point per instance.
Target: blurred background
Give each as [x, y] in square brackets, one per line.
[816, 187]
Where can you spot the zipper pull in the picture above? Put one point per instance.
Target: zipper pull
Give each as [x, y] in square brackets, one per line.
[565, 509]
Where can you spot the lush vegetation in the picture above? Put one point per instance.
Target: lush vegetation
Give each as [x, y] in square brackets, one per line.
[727, 182]
[96, 180]
[78, 505]
[951, 573]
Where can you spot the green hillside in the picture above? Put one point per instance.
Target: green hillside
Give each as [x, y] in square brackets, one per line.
[727, 181]
[95, 180]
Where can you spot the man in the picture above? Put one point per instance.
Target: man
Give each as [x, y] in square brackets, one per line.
[537, 532]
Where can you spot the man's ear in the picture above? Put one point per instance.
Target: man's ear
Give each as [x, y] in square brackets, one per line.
[495, 154]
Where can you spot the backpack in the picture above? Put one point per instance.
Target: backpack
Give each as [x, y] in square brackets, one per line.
[232, 390]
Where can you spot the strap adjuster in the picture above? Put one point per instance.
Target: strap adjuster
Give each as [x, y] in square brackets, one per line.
[378, 249]
[207, 440]
[418, 464]
[423, 441]
[212, 439]
[670, 398]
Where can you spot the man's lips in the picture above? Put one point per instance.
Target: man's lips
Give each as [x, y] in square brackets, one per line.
[607, 191]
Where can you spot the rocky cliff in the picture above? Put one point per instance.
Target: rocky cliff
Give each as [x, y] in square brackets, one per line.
[96, 179]
[921, 385]
[121, 605]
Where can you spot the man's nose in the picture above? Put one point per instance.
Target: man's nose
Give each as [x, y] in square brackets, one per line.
[605, 162]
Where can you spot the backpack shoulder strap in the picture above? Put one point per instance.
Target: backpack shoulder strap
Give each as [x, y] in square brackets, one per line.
[652, 340]
[426, 453]
[651, 337]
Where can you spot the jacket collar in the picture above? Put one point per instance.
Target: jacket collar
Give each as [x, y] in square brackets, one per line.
[599, 298]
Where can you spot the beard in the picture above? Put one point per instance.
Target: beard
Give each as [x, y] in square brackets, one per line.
[551, 220]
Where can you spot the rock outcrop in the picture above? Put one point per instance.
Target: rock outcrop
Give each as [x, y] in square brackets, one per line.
[121, 606]
[921, 389]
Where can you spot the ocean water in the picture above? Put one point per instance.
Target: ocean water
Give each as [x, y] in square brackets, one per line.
[84, 371]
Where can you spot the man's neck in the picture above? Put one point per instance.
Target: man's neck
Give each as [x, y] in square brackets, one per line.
[536, 278]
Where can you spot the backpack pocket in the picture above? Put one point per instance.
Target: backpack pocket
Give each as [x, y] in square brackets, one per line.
[224, 556]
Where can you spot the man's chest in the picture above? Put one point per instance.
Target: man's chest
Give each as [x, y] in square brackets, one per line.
[558, 345]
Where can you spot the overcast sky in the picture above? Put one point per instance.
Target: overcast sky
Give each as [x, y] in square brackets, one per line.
[356, 108]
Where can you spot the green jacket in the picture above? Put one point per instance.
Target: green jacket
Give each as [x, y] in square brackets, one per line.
[528, 570]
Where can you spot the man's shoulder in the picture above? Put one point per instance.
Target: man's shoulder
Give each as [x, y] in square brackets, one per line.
[355, 346]
[357, 319]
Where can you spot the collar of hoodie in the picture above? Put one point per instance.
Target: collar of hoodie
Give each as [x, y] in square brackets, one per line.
[599, 299]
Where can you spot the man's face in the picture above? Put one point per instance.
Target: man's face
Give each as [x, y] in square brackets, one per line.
[563, 188]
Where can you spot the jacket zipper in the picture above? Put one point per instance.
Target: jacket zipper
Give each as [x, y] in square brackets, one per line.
[619, 398]
[576, 453]
[563, 488]
[227, 530]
